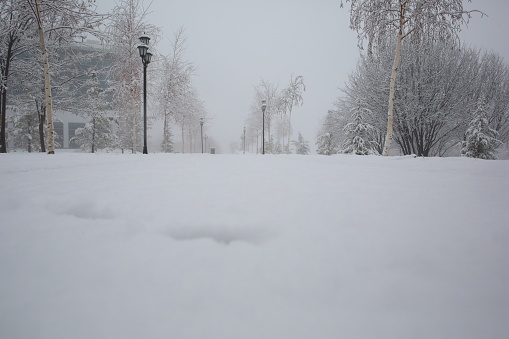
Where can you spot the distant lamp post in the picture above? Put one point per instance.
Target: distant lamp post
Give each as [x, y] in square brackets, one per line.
[146, 56]
[201, 126]
[264, 106]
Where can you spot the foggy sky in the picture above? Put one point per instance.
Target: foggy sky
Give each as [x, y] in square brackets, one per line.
[235, 43]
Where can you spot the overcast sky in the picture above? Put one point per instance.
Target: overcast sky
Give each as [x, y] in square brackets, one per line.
[235, 43]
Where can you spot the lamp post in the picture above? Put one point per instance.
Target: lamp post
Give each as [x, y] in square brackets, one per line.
[145, 58]
[264, 106]
[201, 127]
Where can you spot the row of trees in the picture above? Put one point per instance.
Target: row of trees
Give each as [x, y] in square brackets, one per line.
[177, 99]
[278, 113]
[100, 82]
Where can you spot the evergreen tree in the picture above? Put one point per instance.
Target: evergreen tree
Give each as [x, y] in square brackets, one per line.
[480, 139]
[358, 134]
[23, 132]
[301, 145]
[167, 144]
[325, 144]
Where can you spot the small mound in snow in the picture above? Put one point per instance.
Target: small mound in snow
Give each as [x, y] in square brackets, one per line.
[221, 235]
[84, 210]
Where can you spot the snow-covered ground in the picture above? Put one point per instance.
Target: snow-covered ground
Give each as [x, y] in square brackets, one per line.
[111, 246]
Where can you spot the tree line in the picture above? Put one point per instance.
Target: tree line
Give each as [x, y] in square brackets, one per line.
[440, 91]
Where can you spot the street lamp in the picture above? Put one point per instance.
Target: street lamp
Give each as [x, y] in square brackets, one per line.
[201, 126]
[146, 56]
[264, 106]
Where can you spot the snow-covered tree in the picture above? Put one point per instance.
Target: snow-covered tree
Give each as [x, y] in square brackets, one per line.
[167, 143]
[325, 144]
[23, 132]
[25, 26]
[187, 116]
[15, 37]
[332, 127]
[267, 91]
[96, 135]
[359, 134]
[68, 20]
[175, 87]
[379, 21]
[480, 139]
[291, 96]
[301, 145]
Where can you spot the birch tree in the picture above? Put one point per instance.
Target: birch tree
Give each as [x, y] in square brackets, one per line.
[418, 20]
[67, 19]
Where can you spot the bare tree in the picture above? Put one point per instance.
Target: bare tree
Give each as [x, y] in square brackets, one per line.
[421, 20]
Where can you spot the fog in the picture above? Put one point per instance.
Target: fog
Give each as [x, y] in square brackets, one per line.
[236, 43]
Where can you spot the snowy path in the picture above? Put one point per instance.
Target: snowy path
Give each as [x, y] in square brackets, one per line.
[229, 246]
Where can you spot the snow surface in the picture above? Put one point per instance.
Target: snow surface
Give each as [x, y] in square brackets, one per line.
[199, 246]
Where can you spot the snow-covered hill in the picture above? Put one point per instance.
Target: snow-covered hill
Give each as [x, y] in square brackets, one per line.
[248, 247]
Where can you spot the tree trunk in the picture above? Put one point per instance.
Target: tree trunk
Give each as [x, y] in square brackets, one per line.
[289, 130]
[134, 138]
[3, 113]
[47, 82]
[93, 135]
[3, 99]
[183, 136]
[165, 126]
[29, 136]
[41, 112]
[390, 114]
